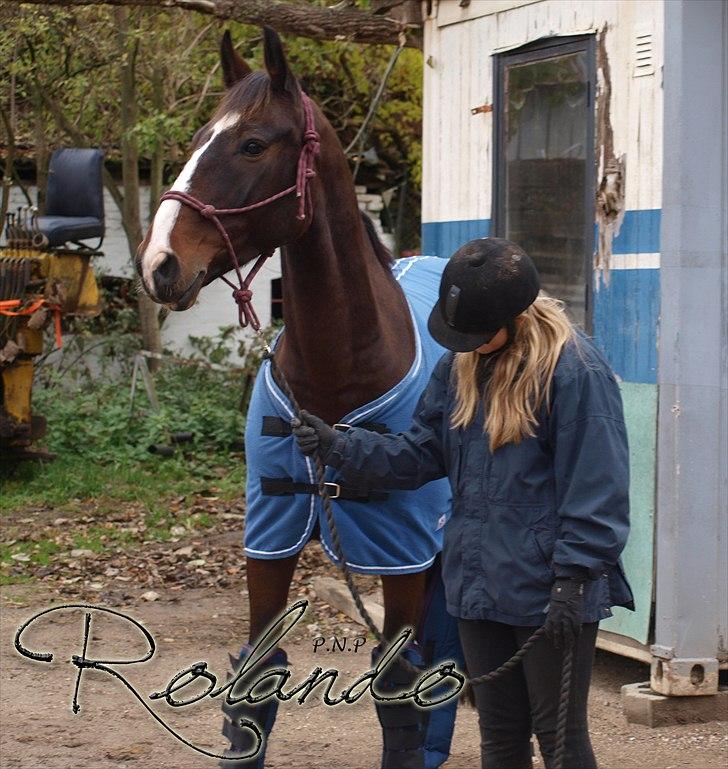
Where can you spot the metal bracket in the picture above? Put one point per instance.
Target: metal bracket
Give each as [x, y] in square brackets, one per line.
[332, 489]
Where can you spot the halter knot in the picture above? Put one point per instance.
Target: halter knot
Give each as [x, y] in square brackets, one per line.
[242, 295]
[208, 211]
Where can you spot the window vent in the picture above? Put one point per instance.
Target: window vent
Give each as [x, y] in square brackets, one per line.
[643, 54]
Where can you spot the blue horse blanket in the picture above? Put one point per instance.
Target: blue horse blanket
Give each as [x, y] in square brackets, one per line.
[399, 534]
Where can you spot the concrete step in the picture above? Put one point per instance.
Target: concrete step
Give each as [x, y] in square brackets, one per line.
[643, 706]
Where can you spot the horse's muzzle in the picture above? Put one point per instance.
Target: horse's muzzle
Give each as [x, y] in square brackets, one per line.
[188, 297]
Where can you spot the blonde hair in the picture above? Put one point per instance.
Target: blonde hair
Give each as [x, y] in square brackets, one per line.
[520, 379]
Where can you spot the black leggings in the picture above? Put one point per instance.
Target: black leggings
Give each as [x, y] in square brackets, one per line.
[525, 701]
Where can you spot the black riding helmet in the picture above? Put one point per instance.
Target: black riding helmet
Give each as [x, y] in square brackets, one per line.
[486, 284]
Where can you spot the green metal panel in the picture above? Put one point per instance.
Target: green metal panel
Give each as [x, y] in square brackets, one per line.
[640, 412]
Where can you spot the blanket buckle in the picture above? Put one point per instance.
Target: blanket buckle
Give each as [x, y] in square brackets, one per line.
[332, 489]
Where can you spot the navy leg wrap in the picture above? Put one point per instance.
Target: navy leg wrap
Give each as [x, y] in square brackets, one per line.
[262, 713]
[404, 725]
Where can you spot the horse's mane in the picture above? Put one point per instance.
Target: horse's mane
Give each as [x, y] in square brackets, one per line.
[383, 253]
[246, 97]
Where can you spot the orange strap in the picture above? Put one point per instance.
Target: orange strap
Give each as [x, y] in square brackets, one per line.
[6, 304]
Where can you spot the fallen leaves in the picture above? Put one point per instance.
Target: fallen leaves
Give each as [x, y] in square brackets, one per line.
[82, 553]
[128, 565]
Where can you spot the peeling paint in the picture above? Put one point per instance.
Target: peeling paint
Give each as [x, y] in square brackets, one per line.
[611, 170]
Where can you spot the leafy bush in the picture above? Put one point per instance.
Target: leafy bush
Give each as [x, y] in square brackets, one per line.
[90, 413]
[95, 420]
[102, 439]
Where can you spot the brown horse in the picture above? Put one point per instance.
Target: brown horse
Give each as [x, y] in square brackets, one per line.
[348, 337]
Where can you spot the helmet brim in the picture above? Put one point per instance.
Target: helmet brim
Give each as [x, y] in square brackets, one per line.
[450, 338]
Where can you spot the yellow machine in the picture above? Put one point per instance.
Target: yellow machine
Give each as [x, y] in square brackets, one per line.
[41, 279]
[37, 287]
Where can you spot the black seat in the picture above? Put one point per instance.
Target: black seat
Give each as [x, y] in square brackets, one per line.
[74, 198]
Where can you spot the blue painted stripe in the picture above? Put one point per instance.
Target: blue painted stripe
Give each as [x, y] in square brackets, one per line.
[625, 320]
[444, 238]
[626, 311]
[639, 233]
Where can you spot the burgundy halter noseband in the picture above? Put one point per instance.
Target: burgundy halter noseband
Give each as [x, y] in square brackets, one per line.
[242, 294]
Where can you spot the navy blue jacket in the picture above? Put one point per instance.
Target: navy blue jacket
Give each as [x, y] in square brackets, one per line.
[556, 504]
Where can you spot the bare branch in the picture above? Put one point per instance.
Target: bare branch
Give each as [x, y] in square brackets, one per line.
[333, 23]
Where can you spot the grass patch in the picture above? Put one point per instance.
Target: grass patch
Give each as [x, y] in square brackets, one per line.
[39, 553]
[13, 579]
[71, 479]
[103, 443]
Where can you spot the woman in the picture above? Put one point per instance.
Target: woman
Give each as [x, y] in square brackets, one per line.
[525, 417]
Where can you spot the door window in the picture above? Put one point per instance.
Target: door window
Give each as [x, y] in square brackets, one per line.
[545, 165]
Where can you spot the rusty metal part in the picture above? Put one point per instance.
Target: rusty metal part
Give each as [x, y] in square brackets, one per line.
[17, 381]
[62, 275]
[31, 280]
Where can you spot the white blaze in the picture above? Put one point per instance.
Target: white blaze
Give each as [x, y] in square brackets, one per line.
[168, 210]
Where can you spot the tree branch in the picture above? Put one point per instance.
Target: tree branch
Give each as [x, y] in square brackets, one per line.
[335, 23]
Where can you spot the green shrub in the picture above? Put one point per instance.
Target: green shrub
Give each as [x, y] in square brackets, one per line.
[102, 439]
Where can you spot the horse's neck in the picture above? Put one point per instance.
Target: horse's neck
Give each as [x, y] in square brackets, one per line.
[349, 335]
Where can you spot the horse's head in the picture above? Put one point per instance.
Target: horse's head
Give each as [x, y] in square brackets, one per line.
[247, 153]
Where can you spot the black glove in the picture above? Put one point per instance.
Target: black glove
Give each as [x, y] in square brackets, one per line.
[563, 621]
[312, 434]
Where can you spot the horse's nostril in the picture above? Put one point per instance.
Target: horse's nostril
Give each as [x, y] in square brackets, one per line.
[166, 272]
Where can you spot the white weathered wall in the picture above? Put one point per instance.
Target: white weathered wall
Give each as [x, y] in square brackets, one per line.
[458, 75]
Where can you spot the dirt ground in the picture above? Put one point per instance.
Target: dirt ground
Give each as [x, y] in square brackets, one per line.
[199, 615]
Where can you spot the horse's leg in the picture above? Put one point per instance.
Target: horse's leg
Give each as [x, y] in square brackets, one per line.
[404, 725]
[404, 595]
[268, 586]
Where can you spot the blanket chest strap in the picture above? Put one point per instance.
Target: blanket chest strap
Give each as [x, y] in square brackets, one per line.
[281, 487]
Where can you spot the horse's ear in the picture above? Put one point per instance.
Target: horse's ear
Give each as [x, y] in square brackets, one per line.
[234, 67]
[281, 78]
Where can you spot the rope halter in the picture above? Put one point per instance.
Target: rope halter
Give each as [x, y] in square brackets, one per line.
[242, 293]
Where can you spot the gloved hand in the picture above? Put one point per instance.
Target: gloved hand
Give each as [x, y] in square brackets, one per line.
[563, 621]
[312, 434]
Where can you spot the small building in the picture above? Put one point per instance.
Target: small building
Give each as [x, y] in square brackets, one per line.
[594, 134]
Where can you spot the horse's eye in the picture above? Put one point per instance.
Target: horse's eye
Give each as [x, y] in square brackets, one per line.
[252, 147]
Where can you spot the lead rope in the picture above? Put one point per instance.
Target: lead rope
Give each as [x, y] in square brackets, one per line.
[243, 295]
[506, 667]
